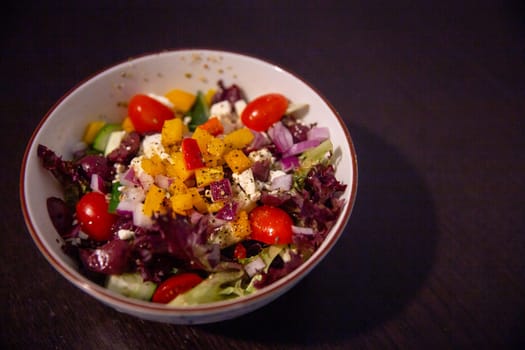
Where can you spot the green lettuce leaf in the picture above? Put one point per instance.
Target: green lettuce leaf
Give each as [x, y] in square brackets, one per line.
[210, 290]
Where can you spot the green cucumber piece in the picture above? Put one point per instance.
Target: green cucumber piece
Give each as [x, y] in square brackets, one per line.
[131, 285]
[102, 137]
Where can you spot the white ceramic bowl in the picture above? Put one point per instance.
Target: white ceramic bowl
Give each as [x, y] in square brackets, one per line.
[63, 126]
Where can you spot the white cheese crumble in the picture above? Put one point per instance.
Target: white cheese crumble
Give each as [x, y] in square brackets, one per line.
[152, 145]
[248, 193]
[221, 109]
[246, 181]
[124, 234]
[261, 154]
[228, 118]
[239, 106]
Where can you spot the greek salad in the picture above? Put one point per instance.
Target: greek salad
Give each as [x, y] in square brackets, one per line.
[196, 197]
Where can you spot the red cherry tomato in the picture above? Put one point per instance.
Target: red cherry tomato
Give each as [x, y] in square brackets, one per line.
[175, 285]
[93, 216]
[271, 225]
[264, 111]
[148, 114]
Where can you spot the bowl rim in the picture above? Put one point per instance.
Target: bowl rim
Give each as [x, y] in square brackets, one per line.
[120, 302]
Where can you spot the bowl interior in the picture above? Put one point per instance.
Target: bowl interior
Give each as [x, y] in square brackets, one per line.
[102, 96]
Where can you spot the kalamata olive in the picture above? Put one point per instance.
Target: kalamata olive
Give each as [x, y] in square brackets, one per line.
[95, 164]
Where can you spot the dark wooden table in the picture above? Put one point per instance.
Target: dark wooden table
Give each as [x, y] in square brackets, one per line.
[434, 97]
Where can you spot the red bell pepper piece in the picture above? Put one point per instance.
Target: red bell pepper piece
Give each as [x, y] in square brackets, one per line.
[239, 252]
[191, 154]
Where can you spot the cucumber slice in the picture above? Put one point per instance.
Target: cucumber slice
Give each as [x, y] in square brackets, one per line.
[102, 137]
[131, 285]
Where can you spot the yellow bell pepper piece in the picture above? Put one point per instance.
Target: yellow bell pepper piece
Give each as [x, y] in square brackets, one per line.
[181, 203]
[177, 186]
[172, 131]
[241, 226]
[154, 202]
[203, 138]
[127, 125]
[239, 138]
[91, 131]
[215, 206]
[216, 147]
[237, 161]
[153, 166]
[178, 167]
[182, 100]
[209, 96]
[198, 201]
[211, 160]
[205, 176]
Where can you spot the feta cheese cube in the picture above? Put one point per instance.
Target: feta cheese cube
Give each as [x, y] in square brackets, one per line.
[262, 154]
[247, 189]
[246, 181]
[220, 109]
[239, 106]
[152, 145]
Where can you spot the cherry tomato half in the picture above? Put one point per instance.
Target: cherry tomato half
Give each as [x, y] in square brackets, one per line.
[271, 225]
[175, 285]
[148, 114]
[264, 111]
[93, 216]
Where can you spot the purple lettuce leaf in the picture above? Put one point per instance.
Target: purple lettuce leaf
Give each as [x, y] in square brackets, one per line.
[67, 173]
[278, 269]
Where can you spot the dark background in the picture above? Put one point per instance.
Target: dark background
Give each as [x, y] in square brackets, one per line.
[433, 93]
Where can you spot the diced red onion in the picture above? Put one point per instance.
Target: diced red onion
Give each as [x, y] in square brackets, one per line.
[126, 213]
[254, 266]
[228, 212]
[215, 222]
[289, 163]
[281, 136]
[259, 141]
[220, 190]
[318, 133]
[126, 207]
[302, 230]
[140, 219]
[300, 147]
[282, 183]
[162, 181]
[128, 178]
[195, 217]
[97, 183]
